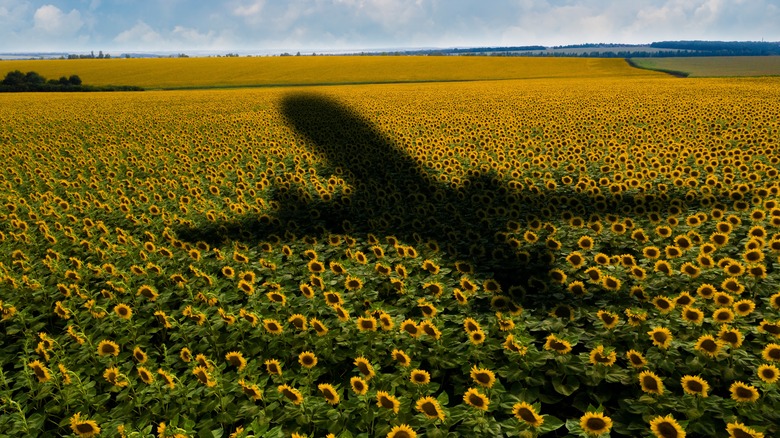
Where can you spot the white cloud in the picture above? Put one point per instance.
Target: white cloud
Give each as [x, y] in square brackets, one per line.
[249, 10]
[51, 20]
[144, 36]
[140, 35]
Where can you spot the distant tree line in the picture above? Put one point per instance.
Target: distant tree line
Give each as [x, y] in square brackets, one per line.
[723, 48]
[92, 55]
[16, 81]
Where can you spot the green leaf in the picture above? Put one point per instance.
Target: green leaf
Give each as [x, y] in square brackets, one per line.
[550, 424]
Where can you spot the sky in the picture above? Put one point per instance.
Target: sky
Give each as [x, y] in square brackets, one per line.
[265, 26]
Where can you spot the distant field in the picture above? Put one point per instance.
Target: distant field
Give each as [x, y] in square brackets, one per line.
[236, 72]
[716, 66]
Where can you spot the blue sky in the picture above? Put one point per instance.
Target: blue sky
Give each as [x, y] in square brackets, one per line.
[274, 25]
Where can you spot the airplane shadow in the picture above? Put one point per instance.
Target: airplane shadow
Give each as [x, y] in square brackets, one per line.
[394, 195]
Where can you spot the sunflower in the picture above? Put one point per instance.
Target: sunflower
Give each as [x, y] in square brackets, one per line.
[148, 292]
[40, 371]
[145, 375]
[476, 399]
[83, 428]
[692, 315]
[636, 359]
[185, 354]
[742, 392]
[663, 304]
[599, 357]
[307, 359]
[386, 321]
[527, 414]
[477, 337]
[353, 283]
[719, 239]
[291, 394]
[595, 423]
[365, 367]
[768, 373]
[690, 269]
[663, 267]
[722, 316]
[771, 353]
[108, 348]
[419, 377]
[774, 301]
[203, 376]
[695, 385]
[123, 311]
[64, 373]
[411, 328]
[316, 267]
[730, 336]
[341, 313]
[661, 337]
[277, 297]
[246, 287]
[557, 276]
[560, 346]
[666, 427]
[651, 252]
[483, 376]
[306, 290]
[168, 378]
[428, 309]
[359, 386]
[402, 431]
[431, 330]
[706, 291]
[273, 367]
[429, 406]
[298, 321]
[318, 327]
[401, 358]
[471, 325]
[732, 285]
[114, 377]
[251, 390]
[585, 242]
[601, 259]
[333, 298]
[272, 326]
[434, 289]
[651, 383]
[739, 430]
[387, 401]
[563, 311]
[744, 307]
[673, 252]
[772, 328]
[577, 288]
[708, 345]
[504, 324]
[236, 359]
[329, 392]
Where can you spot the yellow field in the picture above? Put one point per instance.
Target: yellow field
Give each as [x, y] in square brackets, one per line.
[229, 72]
[571, 253]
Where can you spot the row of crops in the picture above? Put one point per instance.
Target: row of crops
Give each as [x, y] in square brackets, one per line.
[585, 257]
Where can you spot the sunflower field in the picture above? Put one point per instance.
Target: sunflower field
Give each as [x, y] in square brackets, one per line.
[584, 257]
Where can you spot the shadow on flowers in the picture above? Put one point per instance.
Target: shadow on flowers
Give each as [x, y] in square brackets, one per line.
[481, 220]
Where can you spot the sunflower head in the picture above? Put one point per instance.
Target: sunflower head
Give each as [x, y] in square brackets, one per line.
[595, 423]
